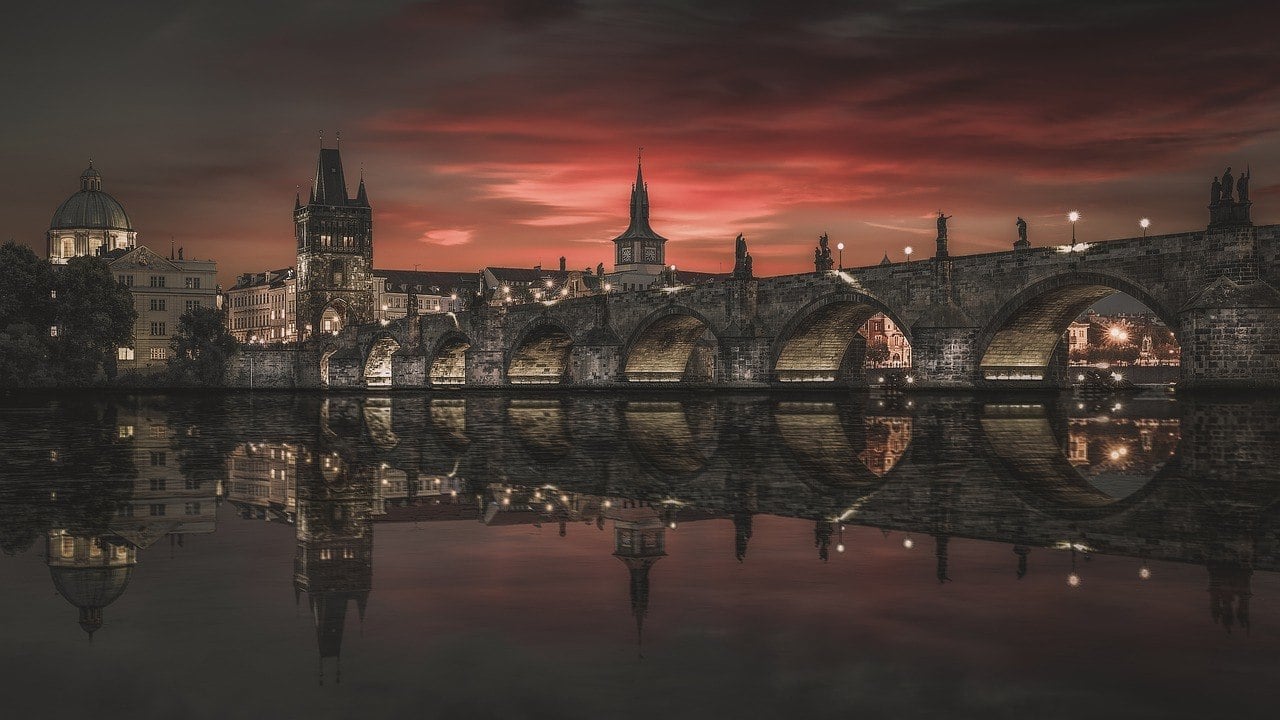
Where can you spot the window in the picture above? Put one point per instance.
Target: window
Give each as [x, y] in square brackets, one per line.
[159, 353]
[157, 304]
[53, 331]
[125, 510]
[68, 247]
[158, 485]
[192, 305]
[194, 484]
[326, 554]
[124, 353]
[326, 239]
[124, 431]
[158, 459]
[53, 294]
[159, 431]
[157, 510]
[192, 508]
[158, 329]
[126, 280]
[157, 281]
[192, 283]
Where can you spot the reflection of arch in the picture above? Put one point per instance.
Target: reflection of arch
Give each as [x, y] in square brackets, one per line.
[377, 368]
[377, 420]
[448, 360]
[821, 342]
[672, 345]
[841, 448]
[673, 438]
[1019, 342]
[541, 357]
[542, 428]
[1024, 441]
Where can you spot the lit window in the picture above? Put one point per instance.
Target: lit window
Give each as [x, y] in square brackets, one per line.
[159, 353]
[53, 331]
[124, 431]
[124, 353]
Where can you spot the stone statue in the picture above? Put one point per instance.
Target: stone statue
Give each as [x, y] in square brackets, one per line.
[1022, 233]
[942, 225]
[741, 258]
[822, 254]
[1242, 186]
[1215, 192]
[600, 270]
[1227, 185]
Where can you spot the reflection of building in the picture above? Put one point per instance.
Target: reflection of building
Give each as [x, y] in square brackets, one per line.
[639, 541]
[887, 439]
[90, 572]
[91, 222]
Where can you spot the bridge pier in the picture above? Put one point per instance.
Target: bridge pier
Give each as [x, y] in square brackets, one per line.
[484, 368]
[746, 361]
[945, 357]
[1234, 345]
[594, 365]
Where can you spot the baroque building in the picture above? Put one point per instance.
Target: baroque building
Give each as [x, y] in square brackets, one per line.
[92, 222]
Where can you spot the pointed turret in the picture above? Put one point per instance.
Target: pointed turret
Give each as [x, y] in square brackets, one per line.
[330, 185]
[639, 247]
[297, 198]
[885, 260]
[362, 196]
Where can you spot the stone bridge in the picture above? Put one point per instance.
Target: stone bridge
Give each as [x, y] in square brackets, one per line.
[994, 319]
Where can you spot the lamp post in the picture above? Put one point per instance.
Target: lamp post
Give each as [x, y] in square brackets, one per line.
[840, 249]
[908, 250]
[1073, 216]
[1144, 223]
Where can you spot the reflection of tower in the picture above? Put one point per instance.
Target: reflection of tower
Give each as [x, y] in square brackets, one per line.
[639, 541]
[1230, 587]
[333, 563]
[89, 572]
[742, 525]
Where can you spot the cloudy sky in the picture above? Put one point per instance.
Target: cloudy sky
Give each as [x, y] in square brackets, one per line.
[504, 132]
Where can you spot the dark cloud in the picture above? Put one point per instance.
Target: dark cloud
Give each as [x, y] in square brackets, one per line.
[501, 117]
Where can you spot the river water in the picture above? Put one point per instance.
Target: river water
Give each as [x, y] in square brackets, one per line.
[684, 555]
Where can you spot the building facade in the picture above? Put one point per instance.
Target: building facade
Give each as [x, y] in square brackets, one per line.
[91, 222]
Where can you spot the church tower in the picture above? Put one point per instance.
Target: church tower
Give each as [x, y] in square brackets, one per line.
[335, 252]
[639, 250]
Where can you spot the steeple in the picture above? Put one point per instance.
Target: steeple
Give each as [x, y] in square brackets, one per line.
[362, 197]
[639, 228]
[330, 185]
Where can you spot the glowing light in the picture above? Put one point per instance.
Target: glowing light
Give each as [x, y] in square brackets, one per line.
[911, 379]
[608, 287]
[1144, 223]
[1144, 573]
[564, 498]
[506, 501]
[1074, 215]
[608, 503]
[880, 379]
[548, 507]
[839, 246]
[840, 547]
[908, 543]
[1073, 580]
[908, 250]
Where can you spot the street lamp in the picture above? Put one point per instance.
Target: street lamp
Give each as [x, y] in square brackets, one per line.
[908, 250]
[840, 248]
[1073, 216]
[1144, 223]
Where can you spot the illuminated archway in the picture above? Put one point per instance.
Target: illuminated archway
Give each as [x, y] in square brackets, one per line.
[377, 368]
[324, 365]
[674, 345]
[334, 318]
[834, 339]
[449, 362]
[1025, 339]
[542, 357]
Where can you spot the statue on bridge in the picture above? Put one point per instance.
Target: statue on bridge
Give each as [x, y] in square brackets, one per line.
[822, 255]
[741, 259]
[942, 234]
[1022, 235]
[1226, 210]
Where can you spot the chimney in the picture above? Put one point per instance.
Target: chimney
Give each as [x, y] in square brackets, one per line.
[561, 263]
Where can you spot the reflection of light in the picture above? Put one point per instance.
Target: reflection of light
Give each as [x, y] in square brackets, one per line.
[608, 503]
[908, 543]
[910, 379]
[840, 547]
[672, 526]
[1144, 573]
[506, 501]
[549, 507]
[1073, 580]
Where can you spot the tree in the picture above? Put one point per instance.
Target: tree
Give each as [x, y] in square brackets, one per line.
[201, 348]
[877, 351]
[94, 315]
[25, 285]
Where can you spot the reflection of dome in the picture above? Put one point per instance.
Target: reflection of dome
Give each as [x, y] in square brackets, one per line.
[91, 589]
[91, 208]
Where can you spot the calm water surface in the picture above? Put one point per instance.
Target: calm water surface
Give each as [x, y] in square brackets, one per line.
[465, 555]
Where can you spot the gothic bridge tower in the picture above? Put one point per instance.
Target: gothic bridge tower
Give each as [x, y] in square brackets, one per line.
[335, 252]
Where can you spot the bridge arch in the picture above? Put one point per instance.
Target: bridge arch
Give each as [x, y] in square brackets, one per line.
[820, 342]
[334, 317]
[447, 360]
[377, 364]
[674, 344]
[541, 354]
[1020, 340]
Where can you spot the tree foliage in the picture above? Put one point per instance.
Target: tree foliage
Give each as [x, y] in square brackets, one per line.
[201, 347]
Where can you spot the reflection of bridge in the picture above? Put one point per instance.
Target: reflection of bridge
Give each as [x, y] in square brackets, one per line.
[956, 467]
[992, 319]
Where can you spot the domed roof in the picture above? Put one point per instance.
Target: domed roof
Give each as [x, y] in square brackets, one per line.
[91, 587]
[91, 208]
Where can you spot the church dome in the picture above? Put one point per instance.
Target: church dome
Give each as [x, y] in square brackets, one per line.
[91, 208]
[90, 589]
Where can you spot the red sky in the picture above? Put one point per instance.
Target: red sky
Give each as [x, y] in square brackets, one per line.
[504, 132]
